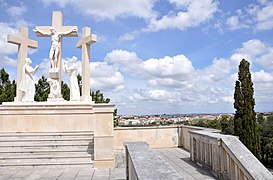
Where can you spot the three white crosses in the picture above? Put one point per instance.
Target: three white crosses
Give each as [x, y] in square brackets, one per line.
[57, 31]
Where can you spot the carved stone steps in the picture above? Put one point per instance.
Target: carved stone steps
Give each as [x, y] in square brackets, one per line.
[46, 149]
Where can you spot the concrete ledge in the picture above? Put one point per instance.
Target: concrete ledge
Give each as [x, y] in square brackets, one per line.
[143, 163]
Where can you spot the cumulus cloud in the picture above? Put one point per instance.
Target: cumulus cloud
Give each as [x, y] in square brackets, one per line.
[186, 14]
[266, 60]
[105, 77]
[173, 80]
[234, 23]
[16, 11]
[125, 61]
[6, 61]
[190, 14]
[153, 95]
[265, 16]
[258, 15]
[5, 30]
[111, 9]
[178, 66]
[168, 71]
[262, 77]
[252, 47]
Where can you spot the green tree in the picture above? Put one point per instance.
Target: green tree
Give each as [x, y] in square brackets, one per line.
[79, 77]
[214, 124]
[245, 125]
[98, 97]
[266, 126]
[227, 124]
[65, 91]
[7, 89]
[41, 90]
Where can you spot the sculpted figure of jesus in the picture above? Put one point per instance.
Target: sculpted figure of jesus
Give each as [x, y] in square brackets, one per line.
[55, 44]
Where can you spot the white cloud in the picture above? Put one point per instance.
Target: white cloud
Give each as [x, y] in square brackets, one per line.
[5, 47]
[265, 16]
[125, 61]
[153, 95]
[266, 60]
[178, 67]
[16, 11]
[129, 36]
[187, 14]
[252, 47]
[262, 77]
[191, 14]
[173, 81]
[6, 61]
[233, 23]
[105, 77]
[257, 16]
[111, 9]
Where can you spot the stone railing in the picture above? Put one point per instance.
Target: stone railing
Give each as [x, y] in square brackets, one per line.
[143, 163]
[184, 135]
[225, 156]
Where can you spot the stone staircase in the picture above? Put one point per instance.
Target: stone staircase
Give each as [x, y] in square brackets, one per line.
[46, 148]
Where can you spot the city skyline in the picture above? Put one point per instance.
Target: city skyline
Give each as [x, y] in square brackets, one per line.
[156, 57]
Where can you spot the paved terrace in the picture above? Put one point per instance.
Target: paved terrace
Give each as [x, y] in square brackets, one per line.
[178, 158]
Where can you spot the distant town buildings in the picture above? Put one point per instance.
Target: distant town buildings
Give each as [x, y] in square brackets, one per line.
[165, 119]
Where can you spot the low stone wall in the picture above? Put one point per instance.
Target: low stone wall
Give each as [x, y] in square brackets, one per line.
[156, 137]
[143, 163]
[225, 156]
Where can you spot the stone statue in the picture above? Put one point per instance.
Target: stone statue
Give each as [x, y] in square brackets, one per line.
[55, 90]
[55, 46]
[27, 85]
[74, 86]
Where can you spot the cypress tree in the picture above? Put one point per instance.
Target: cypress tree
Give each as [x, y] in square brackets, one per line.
[41, 89]
[245, 124]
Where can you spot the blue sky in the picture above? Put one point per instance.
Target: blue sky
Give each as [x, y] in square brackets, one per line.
[155, 56]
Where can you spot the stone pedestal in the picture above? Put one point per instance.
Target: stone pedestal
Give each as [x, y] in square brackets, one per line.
[64, 116]
[54, 73]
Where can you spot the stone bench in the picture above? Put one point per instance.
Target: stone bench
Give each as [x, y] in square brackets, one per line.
[143, 163]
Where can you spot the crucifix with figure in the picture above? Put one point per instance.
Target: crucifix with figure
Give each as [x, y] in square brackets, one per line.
[56, 32]
[23, 44]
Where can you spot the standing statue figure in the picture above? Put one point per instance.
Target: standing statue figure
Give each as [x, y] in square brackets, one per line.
[74, 86]
[27, 85]
[55, 44]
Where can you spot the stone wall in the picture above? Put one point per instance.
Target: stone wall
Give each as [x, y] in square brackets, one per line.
[156, 137]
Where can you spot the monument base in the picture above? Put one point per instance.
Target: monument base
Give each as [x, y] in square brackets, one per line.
[64, 116]
[55, 99]
[54, 73]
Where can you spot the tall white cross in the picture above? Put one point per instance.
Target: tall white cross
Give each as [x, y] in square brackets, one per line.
[23, 44]
[57, 23]
[84, 44]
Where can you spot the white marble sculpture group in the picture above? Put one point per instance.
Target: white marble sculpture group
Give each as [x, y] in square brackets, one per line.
[26, 89]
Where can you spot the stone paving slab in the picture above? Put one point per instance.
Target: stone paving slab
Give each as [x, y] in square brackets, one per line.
[179, 159]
